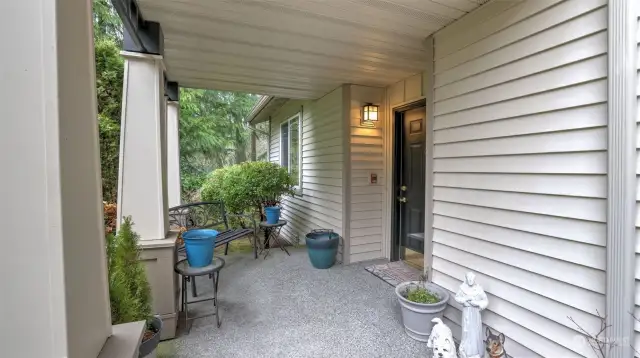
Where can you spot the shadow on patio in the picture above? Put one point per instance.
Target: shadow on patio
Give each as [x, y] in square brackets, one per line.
[282, 307]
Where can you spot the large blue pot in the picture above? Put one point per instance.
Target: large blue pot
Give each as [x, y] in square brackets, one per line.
[322, 246]
[273, 214]
[199, 245]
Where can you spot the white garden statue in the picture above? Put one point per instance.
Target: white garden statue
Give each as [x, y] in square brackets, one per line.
[473, 299]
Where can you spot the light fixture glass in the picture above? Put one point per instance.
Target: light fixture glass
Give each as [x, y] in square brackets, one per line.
[369, 114]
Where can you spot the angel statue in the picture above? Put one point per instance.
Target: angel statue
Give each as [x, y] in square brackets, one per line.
[473, 299]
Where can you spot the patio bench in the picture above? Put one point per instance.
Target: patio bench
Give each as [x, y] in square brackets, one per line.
[212, 215]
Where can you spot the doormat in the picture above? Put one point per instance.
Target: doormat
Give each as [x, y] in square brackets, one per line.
[395, 272]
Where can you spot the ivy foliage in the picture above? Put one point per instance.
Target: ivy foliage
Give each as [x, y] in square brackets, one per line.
[248, 187]
[129, 289]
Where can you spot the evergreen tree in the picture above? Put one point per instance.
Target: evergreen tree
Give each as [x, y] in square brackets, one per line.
[129, 289]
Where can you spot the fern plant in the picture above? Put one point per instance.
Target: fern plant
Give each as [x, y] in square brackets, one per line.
[129, 289]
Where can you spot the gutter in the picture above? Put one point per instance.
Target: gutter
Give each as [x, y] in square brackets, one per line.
[259, 107]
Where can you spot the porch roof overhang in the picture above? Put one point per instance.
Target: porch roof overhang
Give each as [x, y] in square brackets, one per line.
[264, 108]
[297, 49]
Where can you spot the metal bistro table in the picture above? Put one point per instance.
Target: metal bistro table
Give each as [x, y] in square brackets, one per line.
[189, 273]
[273, 234]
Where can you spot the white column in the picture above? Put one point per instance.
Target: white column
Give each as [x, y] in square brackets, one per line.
[142, 189]
[143, 180]
[173, 153]
[54, 300]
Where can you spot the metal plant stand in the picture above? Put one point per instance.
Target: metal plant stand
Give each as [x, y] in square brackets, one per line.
[272, 231]
[188, 274]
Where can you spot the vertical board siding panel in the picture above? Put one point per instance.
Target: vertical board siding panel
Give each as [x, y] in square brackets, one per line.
[367, 157]
[413, 87]
[319, 206]
[520, 116]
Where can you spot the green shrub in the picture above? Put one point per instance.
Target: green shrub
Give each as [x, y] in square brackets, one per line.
[248, 187]
[129, 289]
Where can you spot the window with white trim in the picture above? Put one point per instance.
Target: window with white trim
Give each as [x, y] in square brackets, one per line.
[290, 140]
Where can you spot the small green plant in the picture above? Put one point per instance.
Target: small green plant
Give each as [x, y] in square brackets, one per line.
[248, 187]
[420, 294]
[129, 289]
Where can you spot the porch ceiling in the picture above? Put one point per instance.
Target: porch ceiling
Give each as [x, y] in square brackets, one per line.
[297, 48]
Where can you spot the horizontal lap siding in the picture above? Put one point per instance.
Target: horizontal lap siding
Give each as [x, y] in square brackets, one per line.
[637, 310]
[320, 205]
[520, 166]
[367, 157]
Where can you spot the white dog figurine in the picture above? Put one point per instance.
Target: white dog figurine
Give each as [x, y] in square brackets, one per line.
[441, 340]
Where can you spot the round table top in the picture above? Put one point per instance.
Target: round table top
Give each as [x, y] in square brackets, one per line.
[280, 223]
[182, 267]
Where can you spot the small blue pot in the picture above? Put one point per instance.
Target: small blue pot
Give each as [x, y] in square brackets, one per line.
[199, 245]
[273, 214]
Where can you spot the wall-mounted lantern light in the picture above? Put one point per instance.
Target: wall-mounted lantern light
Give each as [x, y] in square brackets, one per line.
[369, 115]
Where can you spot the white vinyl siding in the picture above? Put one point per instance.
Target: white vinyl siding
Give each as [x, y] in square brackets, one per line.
[367, 157]
[520, 163]
[637, 301]
[320, 205]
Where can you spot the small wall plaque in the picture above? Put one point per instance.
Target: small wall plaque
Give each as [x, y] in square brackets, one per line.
[373, 179]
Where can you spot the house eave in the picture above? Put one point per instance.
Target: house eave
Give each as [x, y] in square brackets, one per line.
[265, 106]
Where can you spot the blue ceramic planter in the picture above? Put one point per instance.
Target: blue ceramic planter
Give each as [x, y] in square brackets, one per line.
[199, 245]
[322, 246]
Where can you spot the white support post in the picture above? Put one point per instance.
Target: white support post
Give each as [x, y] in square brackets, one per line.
[173, 153]
[53, 259]
[142, 185]
[143, 180]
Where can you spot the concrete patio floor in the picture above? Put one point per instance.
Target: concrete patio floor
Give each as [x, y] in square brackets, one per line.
[283, 307]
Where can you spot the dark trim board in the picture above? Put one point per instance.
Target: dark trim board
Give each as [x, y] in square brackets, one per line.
[139, 35]
[172, 90]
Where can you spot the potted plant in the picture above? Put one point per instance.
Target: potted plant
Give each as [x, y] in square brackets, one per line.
[129, 289]
[420, 302]
[249, 187]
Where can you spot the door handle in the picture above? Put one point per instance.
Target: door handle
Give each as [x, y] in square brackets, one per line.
[402, 199]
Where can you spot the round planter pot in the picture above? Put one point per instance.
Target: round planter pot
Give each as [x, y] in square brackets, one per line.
[322, 247]
[417, 317]
[199, 245]
[149, 346]
[273, 214]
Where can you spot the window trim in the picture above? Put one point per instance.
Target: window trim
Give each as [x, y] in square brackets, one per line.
[297, 188]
